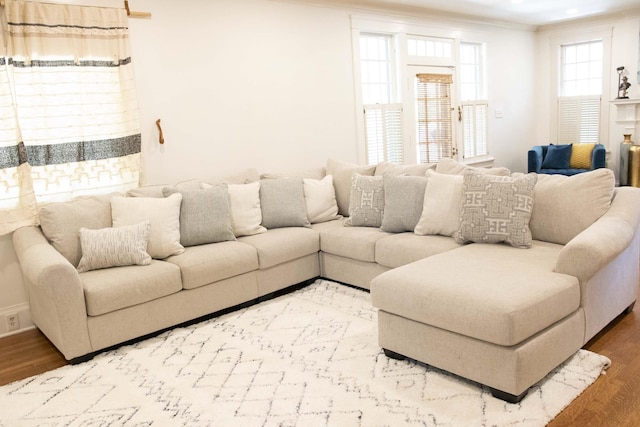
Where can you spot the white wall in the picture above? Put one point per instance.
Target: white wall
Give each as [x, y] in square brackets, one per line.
[269, 84]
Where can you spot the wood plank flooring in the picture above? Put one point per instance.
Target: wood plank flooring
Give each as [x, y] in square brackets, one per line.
[612, 401]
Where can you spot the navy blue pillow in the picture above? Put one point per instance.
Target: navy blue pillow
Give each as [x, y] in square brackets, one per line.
[558, 157]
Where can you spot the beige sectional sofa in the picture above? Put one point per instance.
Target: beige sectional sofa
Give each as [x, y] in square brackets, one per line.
[477, 310]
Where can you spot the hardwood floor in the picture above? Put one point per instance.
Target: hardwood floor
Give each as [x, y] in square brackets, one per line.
[612, 401]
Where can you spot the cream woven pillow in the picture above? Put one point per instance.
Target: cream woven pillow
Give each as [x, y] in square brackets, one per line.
[114, 247]
[162, 213]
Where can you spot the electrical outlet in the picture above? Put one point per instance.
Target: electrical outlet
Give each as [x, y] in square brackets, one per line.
[13, 323]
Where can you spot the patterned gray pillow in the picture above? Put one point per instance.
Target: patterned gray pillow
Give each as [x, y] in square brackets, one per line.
[282, 203]
[114, 247]
[205, 216]
[366, 205]
[496, 209]
[403, 200]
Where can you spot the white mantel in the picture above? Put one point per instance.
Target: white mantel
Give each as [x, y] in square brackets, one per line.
[628, 115]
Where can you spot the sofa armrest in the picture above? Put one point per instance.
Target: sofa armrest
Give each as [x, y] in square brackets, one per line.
[534, 159]
[56, 296]
[605, 239]
[599, 157]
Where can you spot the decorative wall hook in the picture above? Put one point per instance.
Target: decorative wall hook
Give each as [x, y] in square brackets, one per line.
[160, 136]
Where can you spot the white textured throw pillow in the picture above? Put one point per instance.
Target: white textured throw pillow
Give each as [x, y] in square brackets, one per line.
[441, 207]
[246, 215]
[320, 198]
[114, 247]
[162, 213]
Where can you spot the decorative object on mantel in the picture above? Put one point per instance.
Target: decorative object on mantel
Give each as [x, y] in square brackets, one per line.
[623, 84]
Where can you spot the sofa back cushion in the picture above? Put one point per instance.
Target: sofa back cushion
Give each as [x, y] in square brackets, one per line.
[61, 222]
[564, 206]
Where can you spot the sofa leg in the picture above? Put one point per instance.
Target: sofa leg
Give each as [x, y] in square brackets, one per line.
[393, 355]
[630, 308]
[507, 397]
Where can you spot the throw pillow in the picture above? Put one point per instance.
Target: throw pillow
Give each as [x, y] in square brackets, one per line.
[320, 199]
[496, 209]
[114, 247]
[162, 213]
[581, 155]
[567, 205]
[557, 157]
[367, 201]
[342, 172]
[451, 166]
[61, 222]
[403, 199]
[282, 203]
[441, 208]
[205, 216]
[246, 215]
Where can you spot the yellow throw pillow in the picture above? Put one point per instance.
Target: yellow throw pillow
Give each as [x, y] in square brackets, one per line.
[581, 156]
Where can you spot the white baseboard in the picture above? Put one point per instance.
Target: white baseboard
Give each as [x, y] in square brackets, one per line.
[24, 319]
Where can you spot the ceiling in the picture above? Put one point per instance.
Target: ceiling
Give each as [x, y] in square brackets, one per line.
[529, 12]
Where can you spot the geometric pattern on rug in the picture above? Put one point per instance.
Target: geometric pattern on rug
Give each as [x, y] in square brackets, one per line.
[308, 358]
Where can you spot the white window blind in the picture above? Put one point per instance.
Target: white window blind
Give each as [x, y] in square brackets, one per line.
[383, 132]
[579, 119]
[433, 117]
[474, 123]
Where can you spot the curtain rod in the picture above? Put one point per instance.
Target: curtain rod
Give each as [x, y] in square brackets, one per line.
[96, 3]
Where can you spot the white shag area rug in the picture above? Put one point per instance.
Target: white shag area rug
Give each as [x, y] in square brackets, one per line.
[309, 358]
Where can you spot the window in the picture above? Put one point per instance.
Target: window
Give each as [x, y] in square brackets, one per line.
[475, 107]
[429, 47]
[433, 117]
[580, 92]
[382, 111]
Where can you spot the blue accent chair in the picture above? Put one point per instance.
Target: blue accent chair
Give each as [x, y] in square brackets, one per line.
[538, 152]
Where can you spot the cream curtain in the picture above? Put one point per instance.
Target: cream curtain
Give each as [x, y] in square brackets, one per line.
[76, 124]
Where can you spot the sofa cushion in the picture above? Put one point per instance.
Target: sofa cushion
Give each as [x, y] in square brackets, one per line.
[246, 214]
[441, 207]
[204, 264]
[451, 166]
[496, 209]
[367, 201]
[493, 293]
[61, 222]
[357, 243]
[282, 203]
[557, 157]
[581, 155]
[281, 245]
[341, 172]
[320, 199]
[205, 215]
[114, 247]
[403, 199]
[564, 206]
[111, 289]
[420, 169]
[162, 213]
[404, 248]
